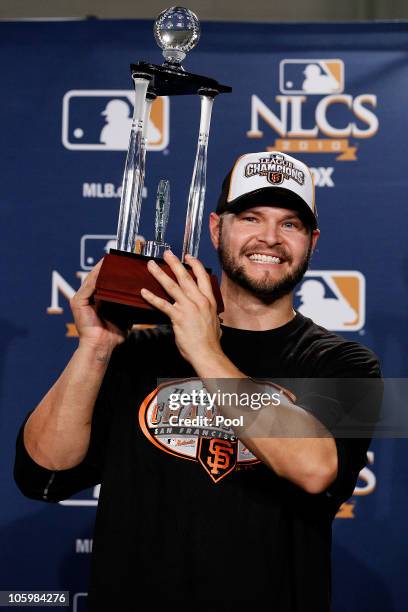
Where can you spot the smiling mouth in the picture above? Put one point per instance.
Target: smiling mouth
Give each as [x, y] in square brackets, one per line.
[265, 259]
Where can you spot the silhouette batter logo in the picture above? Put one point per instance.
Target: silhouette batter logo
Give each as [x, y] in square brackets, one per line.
[334, 299]
[311, 76]
[100, 120]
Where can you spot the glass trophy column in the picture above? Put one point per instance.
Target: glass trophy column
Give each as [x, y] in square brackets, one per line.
[124, 272]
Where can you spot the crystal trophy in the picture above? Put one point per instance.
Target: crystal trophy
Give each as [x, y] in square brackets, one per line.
[124, 271]
[153, 248]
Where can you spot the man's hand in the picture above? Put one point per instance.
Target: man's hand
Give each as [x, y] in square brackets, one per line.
[93, 331]
[194, 312]
[309, 462]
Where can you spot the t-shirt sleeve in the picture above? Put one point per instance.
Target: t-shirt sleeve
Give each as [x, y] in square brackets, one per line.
[347, 400]
[351, 459]
[40, 483]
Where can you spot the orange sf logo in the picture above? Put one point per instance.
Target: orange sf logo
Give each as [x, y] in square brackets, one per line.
[275, 177]
[221, 451]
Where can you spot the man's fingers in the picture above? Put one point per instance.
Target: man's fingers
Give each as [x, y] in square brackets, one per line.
[184, 279]
[190, 288]
[88, 286]
[172, 288]
[157, 302]
[202, 276]
[95, 271]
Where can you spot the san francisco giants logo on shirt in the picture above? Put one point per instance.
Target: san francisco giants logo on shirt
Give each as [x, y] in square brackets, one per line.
[213, 447]
[218, 457]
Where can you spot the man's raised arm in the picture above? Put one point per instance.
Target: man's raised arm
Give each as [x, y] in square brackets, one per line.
[57, 433]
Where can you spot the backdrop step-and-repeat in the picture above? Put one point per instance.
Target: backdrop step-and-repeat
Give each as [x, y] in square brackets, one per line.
[336, 95]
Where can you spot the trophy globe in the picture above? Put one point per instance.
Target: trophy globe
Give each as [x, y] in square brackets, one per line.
[177, 31]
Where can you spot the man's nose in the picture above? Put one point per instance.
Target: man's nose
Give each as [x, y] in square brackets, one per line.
[269, 232]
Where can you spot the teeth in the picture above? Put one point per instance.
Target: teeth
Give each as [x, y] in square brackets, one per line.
[264, 258]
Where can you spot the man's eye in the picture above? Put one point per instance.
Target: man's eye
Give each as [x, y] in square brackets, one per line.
[249, 218]
[291, 225]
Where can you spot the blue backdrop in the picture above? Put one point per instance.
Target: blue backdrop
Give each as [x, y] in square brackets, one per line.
[333, 94]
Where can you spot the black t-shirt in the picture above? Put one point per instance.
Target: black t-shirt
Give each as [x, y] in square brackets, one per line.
[172, 524]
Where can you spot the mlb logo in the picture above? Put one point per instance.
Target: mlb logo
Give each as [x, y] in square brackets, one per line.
[334, 299]
[88, 498]
[100, 120]
[95, 246]
[311, 76]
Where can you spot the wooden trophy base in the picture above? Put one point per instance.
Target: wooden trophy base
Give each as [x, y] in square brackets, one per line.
[117, 292]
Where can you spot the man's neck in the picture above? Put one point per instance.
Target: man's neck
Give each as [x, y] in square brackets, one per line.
[243, 310]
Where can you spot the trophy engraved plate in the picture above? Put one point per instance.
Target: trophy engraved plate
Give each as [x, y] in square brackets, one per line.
[124, 270]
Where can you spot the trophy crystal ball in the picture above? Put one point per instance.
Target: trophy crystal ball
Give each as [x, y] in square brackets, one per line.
[124, 270]
[177, 31]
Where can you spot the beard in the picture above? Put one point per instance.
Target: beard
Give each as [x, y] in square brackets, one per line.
[265, 289]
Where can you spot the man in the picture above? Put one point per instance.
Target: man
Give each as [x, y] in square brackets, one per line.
[209, 518]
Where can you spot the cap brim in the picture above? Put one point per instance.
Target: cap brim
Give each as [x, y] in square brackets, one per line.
[272, 196]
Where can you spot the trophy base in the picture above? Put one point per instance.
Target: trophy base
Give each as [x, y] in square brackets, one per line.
[117, 292]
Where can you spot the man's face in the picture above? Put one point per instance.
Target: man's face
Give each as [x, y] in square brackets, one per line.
[263, 249]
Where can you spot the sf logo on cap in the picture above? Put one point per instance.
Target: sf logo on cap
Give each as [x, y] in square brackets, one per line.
[275, 177]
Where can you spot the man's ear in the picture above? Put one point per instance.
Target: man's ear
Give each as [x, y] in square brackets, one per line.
[315, 237]
[214, 224]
